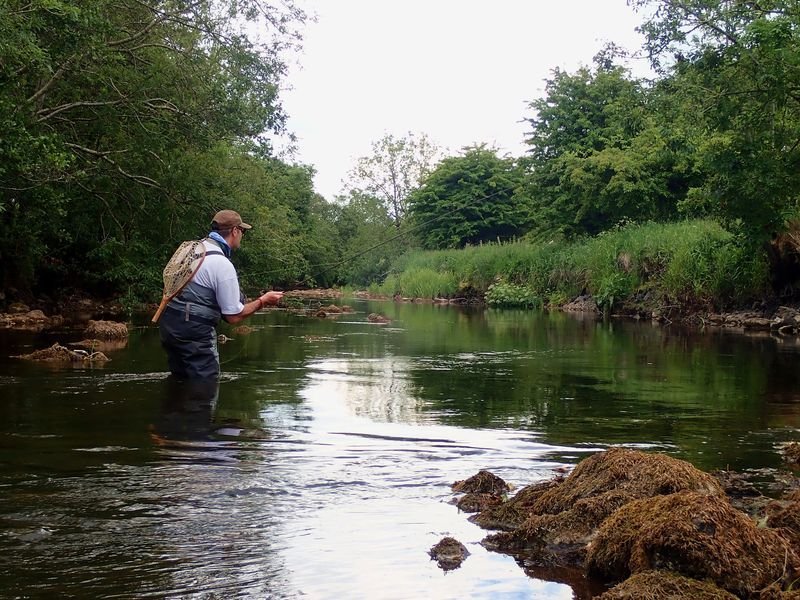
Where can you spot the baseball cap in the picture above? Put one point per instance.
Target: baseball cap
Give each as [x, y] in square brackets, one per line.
[228, 219]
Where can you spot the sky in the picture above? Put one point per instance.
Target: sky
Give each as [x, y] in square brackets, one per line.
[459, 71]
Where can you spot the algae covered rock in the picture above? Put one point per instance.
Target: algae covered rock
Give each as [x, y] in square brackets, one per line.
[791, 453]
[664, 585]
[107, 330]
[697, 535]
[476, 502]
[448, 553]
[59, 353]
[484, 482]
[556, 521]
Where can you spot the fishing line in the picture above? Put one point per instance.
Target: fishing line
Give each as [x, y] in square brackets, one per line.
[323, 267]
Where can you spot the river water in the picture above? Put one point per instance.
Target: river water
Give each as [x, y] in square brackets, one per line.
[321, 465]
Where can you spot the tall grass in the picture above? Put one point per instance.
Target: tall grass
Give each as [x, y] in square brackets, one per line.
[686, 262]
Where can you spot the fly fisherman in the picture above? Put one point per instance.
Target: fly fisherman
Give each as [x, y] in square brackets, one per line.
[188, 324]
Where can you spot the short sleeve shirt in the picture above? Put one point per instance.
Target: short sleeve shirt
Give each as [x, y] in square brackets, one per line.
[219, 274]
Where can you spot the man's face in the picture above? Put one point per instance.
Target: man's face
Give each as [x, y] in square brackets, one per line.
[236, 237]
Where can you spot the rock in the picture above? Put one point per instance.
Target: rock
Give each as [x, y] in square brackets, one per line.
[697, 535]
[32, 320]
[484, 482]
[16, 308]
[583, 303]
[448, 553]
[473, 503]
[554, 523]
[791, 453]
[59, 353]
[786, 517]
[663, 584]
[107, 330]
[377, 318]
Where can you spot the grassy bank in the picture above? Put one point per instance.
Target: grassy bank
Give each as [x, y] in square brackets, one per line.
[687, 263]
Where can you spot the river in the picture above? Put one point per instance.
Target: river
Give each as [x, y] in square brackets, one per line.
[321, 464]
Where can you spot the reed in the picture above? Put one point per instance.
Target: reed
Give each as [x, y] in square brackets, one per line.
[686, 262]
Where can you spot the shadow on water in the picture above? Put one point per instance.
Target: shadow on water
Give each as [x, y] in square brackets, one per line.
[187, 410]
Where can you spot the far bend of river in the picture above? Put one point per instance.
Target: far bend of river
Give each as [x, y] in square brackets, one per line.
[323, 467]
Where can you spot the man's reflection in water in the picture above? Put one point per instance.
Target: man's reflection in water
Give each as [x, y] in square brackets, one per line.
[187, 410]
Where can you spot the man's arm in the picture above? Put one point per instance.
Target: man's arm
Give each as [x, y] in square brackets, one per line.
[270, 298]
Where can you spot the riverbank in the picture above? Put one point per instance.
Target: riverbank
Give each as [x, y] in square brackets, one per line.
[762, 318]
[683, 271]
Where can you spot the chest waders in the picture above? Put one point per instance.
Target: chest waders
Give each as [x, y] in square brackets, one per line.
[188, 331]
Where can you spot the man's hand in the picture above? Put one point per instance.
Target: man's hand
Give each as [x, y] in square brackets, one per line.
[271, 298]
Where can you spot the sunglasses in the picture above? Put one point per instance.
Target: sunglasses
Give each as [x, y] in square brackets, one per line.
[241, 229]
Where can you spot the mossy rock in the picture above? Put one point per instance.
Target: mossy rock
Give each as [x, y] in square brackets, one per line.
[107, 330]
[448, 553]
[664, 585]
[483, 482]
[697, 535]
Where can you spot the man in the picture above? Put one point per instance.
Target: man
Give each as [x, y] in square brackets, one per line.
[188, 324]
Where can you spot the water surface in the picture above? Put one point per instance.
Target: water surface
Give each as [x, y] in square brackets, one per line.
[321, 464]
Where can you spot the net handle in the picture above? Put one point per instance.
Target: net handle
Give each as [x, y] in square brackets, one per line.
[167, 297]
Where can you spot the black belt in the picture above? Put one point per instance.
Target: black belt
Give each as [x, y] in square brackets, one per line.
[191, 317]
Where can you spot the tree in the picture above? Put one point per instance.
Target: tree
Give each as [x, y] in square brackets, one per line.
[100, 103]
[396, 167]
[734, 67]
[369, 239]
[469, 199]
[598, 155]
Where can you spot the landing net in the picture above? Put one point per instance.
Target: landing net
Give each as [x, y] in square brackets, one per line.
[179, 271]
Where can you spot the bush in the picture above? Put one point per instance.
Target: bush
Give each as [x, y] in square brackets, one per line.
[687, 262]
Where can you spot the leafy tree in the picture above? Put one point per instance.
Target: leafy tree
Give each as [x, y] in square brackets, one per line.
[395, 168]
[369, 239]
[469, 199]
[735, 68]
[101, 104]
[598, 155]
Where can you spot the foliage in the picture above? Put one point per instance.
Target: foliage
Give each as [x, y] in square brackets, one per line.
[369, 239]
[734, 69]
[688, 262]
[597, 155]
[395, 168]
[470, 199]
[111, 115]
[502, 294]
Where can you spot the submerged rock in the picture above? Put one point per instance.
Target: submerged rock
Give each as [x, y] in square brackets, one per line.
[377, 318]
[59, 353]
[448, 553]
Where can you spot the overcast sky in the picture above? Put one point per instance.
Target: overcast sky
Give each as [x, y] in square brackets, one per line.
[459, 71]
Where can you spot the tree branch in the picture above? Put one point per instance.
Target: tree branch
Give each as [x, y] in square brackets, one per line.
[51, 112]
[104, 155]
[42, 90]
